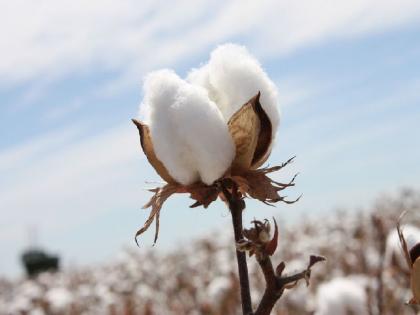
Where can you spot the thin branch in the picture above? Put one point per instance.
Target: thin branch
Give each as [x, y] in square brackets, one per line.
[276, 284]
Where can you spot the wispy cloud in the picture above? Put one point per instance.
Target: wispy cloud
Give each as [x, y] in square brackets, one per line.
[55, 38]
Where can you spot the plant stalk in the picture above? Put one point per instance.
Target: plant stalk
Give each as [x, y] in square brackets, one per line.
[236, 206]
[242, 264]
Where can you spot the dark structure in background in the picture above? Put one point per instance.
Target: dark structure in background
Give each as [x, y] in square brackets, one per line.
[37, 260]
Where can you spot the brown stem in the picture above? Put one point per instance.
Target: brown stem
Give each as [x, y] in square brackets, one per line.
[272, 292]
[236, 206]
[381, 239]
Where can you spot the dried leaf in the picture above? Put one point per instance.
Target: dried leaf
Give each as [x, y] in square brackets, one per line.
[156, 202]
[271, 246]
[244, 127]
[415, 281]
[147, 146]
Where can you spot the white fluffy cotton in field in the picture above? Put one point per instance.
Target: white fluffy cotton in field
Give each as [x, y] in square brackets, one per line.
[218, 287]
[393, 245]
[31, 290]
[342, 296]
[188, 131]
[59, 298]
[231, 77]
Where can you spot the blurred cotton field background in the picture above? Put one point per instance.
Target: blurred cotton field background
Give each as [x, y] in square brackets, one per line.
[72, 175]
[364, 258]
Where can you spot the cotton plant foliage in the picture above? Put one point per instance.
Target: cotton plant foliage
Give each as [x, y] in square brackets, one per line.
[215, 127]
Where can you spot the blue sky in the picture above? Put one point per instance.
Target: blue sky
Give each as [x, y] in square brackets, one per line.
[70, 77]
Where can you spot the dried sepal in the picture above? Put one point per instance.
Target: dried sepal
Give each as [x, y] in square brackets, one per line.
[256, 184]
[252, 133]
[203, 195]
[259, 233]
[271, 246]
[414, 253]
[415, 281]
[156, 202]
[244, 127]
[244, 245]
[257, 239]
[265, 137]
[147, 146]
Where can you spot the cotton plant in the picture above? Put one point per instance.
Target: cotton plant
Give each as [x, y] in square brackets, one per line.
[209, 135]
[342, 296]
[411, 251]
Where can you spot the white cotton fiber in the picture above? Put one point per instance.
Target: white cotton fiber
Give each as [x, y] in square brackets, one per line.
[188, 131]
[231, 77]
[342, 296]
[393, 244]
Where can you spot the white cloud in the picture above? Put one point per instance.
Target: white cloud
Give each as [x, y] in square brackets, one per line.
[16, 157]
[49, 38]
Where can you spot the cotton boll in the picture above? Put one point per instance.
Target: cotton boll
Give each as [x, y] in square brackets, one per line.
[232, 77]
[393, 245]
[218, 287]
[36, 311]
[188, 131]
[59, 298]
[31, 290]
[341, 296]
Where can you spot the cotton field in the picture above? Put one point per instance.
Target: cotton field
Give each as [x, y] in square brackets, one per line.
[365, 273]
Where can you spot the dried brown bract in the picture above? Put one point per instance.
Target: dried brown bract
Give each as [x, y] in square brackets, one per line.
[257, 239]
[412, 257]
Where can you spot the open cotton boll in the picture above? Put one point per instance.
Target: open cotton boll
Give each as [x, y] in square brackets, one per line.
[393, 245]
[188, 131]
[342, 296]
[231, 77]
